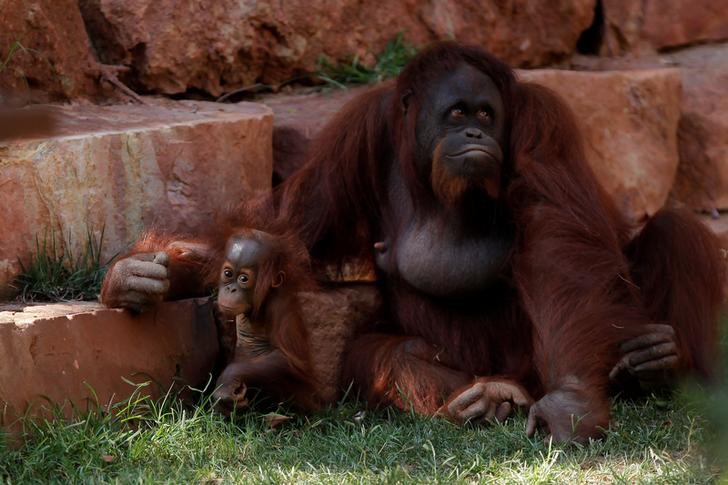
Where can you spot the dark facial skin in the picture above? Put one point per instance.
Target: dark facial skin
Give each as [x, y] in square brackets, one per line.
[463, 126]
[462, 247]
[239, 273]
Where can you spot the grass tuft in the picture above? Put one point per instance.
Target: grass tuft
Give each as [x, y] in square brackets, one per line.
[390, 63]
[14, 47]
[56, 274]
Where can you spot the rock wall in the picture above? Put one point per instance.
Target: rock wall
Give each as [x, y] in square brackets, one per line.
[129, 168]
[45, 54]
[176, 45]
[632, 26]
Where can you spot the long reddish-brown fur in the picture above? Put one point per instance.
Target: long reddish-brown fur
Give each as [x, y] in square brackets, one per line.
[286, 372]
[194, 269]
[576, 286]
[573, 292]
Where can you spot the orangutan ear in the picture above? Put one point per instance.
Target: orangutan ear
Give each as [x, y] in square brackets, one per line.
[280, 278]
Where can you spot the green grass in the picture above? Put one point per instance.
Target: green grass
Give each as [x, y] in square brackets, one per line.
[56, 274]
[652, 441]
[389, 63]
[12, 50]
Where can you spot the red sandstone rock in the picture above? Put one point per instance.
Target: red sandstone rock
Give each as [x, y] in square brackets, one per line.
[702, 178]
[176, 45]
[80, 353]
[55, 62]
[127, 168]
[333, 316]
[702, 181]
[638, 27]
[308, 113]
[629, 121]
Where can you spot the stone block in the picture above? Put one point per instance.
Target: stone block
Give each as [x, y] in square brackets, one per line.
[173, 46]
[48, 52]
[127, 168]
[702, 178]
[629, 120]
[639, 27]
[81, 353]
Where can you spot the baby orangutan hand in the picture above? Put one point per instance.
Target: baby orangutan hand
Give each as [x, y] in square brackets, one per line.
[230, 395]
[137, 282]
[484, 400]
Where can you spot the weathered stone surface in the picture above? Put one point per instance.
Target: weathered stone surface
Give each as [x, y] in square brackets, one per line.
[630, 133]
[173, 46]
[333, 316]
[127, 168]
[719, 226]
[55, 61]
[638, 27]
[702, 178]
[702, 181]
[80, 353]
[308, 113]
[629, 121]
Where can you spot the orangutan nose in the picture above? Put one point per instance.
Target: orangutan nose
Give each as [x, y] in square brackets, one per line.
[473, 133]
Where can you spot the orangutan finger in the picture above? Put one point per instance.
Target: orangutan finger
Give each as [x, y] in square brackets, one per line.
[490, 413]
[503, 411]
[659, 328]
[191, 250]
[532, 423]
[652, 353]
[161, 258]
[665, 363]
[521, 398]
[147, 285]
[620, 366]
[474, 411]
[466, 398]
[146, 269]
[645, 341]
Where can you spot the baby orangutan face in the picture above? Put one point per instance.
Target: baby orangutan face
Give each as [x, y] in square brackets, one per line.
[239, 274]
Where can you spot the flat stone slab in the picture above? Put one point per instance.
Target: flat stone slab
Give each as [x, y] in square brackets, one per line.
[125, 168]
[629, 120]
[702, 178]
[80, 353]
[308, 113]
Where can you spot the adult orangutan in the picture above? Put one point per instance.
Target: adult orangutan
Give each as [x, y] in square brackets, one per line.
[508, 273]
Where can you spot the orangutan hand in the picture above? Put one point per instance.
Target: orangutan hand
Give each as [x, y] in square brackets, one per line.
[137, 282]
[484, 400]
[651, 358]
[569, 414]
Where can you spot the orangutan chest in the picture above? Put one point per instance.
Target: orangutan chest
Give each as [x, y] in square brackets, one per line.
[441, 262]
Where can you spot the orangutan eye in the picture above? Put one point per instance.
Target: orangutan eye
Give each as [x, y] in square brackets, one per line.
[228, 273]
[243, 278]
[457, 113]
[483, 115]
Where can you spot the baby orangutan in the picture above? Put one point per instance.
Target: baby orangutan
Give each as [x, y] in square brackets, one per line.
[258, 285]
